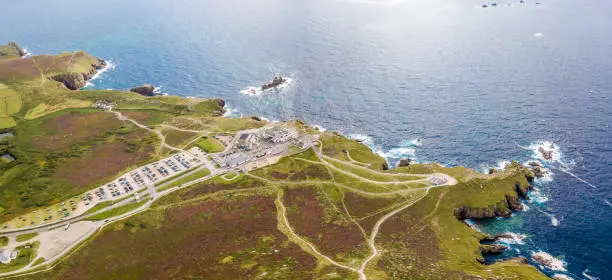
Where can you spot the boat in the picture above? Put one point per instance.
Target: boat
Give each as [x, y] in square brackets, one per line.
[277, 81]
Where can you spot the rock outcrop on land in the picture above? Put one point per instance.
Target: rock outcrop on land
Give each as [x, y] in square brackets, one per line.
[146, 90]
[77, 80]
[11, 50]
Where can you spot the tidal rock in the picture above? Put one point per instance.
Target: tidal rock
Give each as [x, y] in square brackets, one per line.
[256, 118]
[548, 260]
[492, 171]
[492, 249]
[547, 155]
[385, 166]
[404, 162]
[146, 90]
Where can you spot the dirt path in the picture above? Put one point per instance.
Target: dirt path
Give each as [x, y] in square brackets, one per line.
[301, 241]
[348, 155]
[157, 132]
[376, 228]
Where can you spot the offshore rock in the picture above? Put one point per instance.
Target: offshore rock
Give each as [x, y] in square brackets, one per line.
[146, 90]
[404, 162]
[492, 249]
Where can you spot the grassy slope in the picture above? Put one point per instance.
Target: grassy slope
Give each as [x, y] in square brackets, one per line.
[452, 251]
[27, 102]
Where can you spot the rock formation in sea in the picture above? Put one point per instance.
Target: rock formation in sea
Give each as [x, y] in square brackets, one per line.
[493, 249]
[146, 90]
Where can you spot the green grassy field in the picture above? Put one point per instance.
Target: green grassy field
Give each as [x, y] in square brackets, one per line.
[117, 210]
[209, 145]
[186, 179]
[26, 237]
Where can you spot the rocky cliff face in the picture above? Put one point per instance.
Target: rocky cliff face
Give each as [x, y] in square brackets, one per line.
[503, 208]
[221, 103]
[77, 80]
[11, 50]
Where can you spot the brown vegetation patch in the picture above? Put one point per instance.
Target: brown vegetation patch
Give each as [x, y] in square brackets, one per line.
[139, 116]
[411, 243]
[176, 138]
[360, 206]
[26, 68]
[212, 240]
[211, 187]
[18, 69]
[306, 215]
[65, 130]
[300, 173]
[102, 162]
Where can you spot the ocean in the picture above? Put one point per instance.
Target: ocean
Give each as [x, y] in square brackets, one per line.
[446, 81]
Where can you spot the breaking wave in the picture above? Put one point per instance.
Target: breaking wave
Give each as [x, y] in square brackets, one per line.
[27, 53]
[365, 139]
[586, 274]
[157, 90]
[319, 128]
[231, 112]
[513, 238]
[393, 155]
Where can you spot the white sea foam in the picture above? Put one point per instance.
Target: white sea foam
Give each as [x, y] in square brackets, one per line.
[27, 53]
[538, 197]
[365, 139]
[319, 128]
[549, 261]
[251, 91]
[109, 66]
[553, 220]
[607, 202]
[397, 153]
[157, 91]
[539, 34]
[472, 224]
[566, 171]
[231, 112]
[586, 274]
[562, 277]
[545, 146]
[513, 238]
[416, 142]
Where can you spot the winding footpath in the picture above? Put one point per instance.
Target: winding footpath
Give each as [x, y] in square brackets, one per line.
[281, 215]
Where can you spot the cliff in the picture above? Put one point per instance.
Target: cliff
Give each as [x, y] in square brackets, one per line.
[77, 79]
[11, 50]
[511, 199]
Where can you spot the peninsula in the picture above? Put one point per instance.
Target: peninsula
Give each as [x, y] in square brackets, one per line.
[110, 184]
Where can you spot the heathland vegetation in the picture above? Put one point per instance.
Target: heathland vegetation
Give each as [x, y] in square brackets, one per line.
[333, 211]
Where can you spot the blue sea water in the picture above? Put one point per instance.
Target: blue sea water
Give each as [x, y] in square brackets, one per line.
[477, 85]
